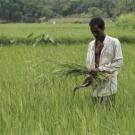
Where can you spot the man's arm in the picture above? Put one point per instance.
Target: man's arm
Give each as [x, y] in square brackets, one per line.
[88, 56]
[88, 80]
[117, 61]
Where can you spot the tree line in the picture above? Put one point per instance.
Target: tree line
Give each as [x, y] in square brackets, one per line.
[42, 10]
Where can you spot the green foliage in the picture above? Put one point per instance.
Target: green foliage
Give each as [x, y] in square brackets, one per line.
[35, 10]
[70, 69]
[69, 34]
[33, 102]
[43, 39]
[73, 70]
[30, 39]
[95, 12]
[126, 21]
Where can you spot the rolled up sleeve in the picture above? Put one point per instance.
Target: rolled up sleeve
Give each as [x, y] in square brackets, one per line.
[88, 57]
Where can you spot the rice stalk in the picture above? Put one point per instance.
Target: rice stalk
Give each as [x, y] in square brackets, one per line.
[75, 70]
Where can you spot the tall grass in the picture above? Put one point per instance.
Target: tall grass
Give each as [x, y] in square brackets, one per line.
[122, 28]
[33, 102]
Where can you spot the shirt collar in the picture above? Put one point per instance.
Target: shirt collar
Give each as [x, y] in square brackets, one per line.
[105, 40]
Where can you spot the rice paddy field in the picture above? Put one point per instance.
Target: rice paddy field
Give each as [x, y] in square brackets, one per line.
[34, 102]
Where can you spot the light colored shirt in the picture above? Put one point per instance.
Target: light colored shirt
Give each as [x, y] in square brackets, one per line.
[111, 59]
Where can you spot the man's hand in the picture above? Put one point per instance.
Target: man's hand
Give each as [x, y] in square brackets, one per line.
[87, 81]
[95, 70]
[107, 72]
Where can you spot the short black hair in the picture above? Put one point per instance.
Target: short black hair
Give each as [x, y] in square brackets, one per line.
[97, 21]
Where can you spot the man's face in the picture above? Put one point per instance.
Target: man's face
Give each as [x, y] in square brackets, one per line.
[97, 32]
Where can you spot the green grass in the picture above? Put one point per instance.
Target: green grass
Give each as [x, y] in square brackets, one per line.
[34, 102]
[63, 33]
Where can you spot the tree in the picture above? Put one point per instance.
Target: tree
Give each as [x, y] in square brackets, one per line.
[33, 10]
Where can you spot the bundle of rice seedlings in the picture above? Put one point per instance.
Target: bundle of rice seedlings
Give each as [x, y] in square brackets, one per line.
[73, 70]
[70, 69]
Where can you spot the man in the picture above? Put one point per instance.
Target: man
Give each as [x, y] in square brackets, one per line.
[104, 55]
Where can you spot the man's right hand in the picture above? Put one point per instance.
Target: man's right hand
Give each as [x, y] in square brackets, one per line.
[87, 81]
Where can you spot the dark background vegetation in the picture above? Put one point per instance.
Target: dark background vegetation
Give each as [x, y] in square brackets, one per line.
[42, 10]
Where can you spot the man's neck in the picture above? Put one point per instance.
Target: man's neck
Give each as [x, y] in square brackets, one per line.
[101, 39]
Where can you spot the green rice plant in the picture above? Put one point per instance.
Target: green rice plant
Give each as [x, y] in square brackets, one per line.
[30, 35]
[7, 41]
[43, 39]
[29, 39]
[33, 102]
[74, 70]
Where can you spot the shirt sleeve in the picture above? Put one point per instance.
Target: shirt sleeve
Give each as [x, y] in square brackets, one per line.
[88, 57]
[117, 60]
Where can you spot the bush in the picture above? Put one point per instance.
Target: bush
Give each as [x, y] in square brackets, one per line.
[126, 21]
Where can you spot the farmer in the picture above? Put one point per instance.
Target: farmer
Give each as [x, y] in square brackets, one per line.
[104, 55]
